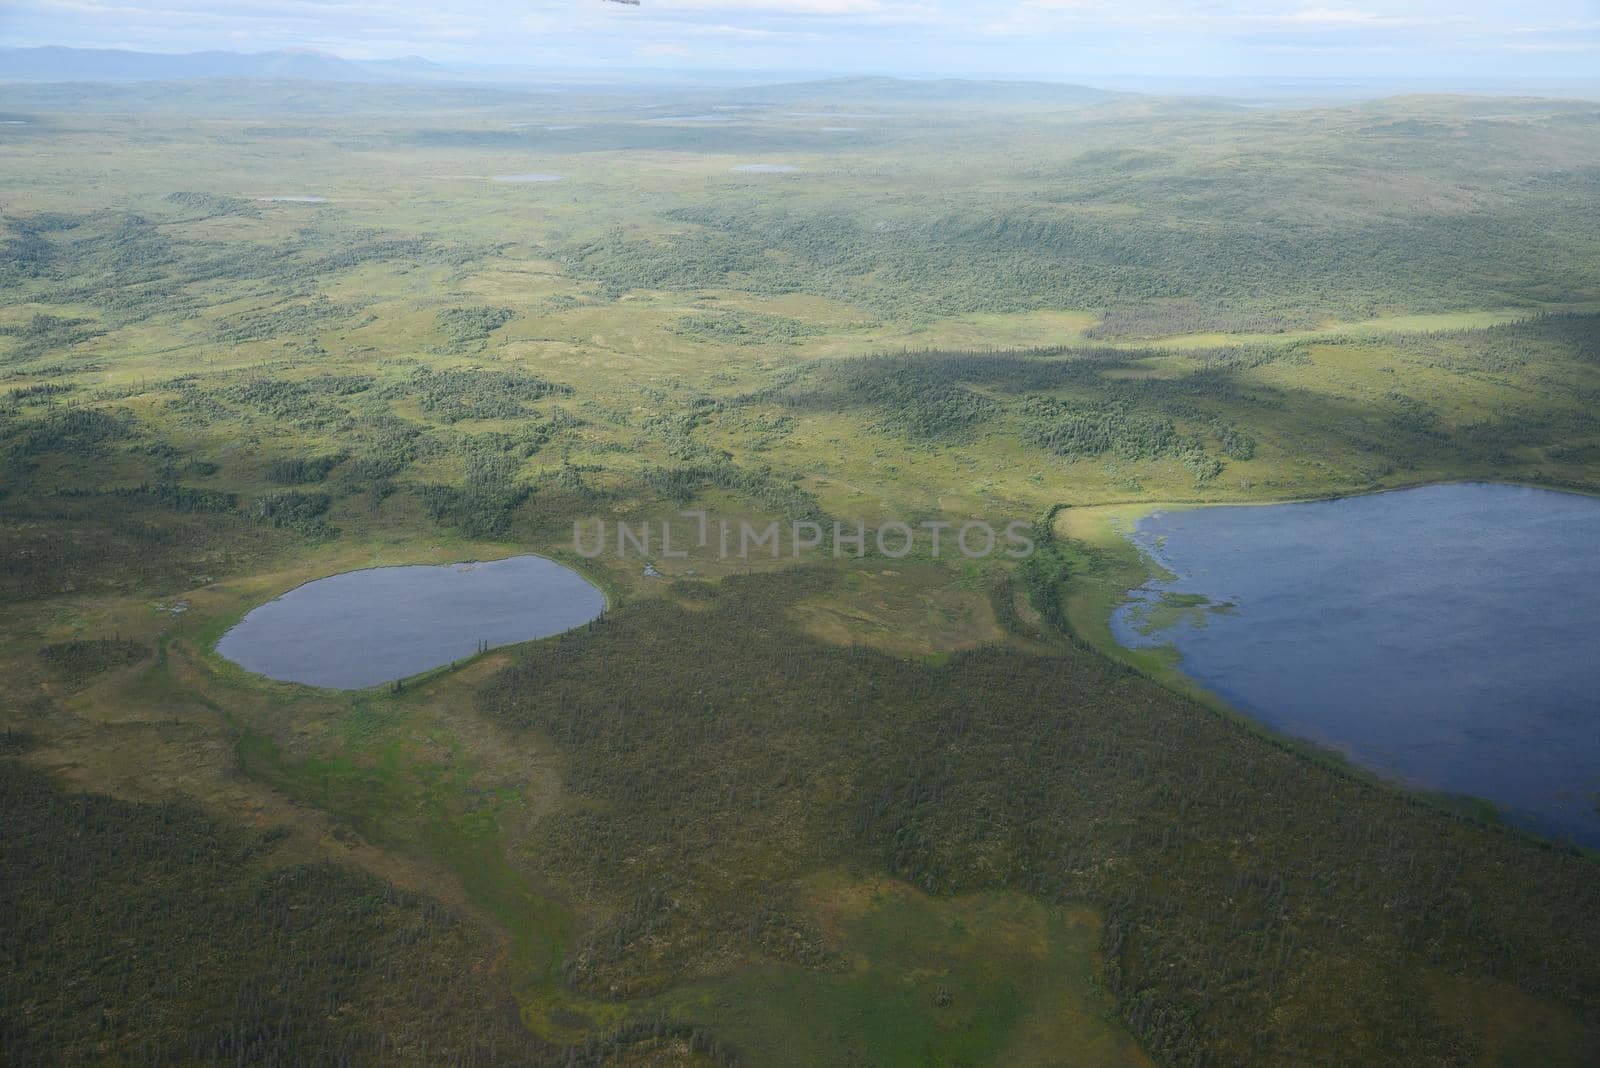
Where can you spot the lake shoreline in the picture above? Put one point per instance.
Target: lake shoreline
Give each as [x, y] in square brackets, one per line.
[282, 623]
[1149, 610]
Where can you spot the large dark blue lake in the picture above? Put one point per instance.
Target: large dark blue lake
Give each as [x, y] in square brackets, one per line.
[362, 628]
[1447, 637]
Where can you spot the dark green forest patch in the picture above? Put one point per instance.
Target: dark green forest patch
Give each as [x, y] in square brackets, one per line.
[1064, 775]
[462, 325]
[139, 933]
[454, 395]
[82, 658]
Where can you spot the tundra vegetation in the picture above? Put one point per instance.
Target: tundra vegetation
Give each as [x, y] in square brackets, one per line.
[862, 810]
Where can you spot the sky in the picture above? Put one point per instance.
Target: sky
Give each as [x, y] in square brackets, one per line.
[1064, 40]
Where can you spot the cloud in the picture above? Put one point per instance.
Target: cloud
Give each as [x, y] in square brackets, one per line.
[1320, 16]
[784, 7]
[1062, 38]
[663, 51]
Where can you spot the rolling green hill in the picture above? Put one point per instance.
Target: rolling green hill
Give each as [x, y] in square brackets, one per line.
[878, 810]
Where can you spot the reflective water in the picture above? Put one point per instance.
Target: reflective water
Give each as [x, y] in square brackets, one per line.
[1448, 636]
[362, 628]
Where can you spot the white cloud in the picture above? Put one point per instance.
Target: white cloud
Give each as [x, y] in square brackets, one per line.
[1013, 36]
[660, 51]
[785, 7]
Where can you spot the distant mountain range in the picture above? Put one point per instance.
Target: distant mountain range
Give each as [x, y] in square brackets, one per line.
[56, 64]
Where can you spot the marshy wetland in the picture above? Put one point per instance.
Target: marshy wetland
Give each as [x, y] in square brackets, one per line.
[856, 810]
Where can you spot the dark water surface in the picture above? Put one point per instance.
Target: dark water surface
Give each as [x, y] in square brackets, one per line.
[365, 627]
[1447, 637]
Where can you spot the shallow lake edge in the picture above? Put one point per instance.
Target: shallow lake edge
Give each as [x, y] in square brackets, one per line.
[214, 630]
[1107, 529]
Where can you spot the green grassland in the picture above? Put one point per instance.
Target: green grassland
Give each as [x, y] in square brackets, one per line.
[860, 811]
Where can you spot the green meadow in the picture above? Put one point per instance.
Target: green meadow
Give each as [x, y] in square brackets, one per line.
[864, 810]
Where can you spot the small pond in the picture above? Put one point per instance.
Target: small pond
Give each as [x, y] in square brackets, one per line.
[1447, 637]
[367, 627]
[520, 178]
[765, 168]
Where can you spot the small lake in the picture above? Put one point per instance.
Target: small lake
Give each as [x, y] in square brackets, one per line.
[292, 200]
[1446, 637]
[367, 627]
[765, 168]
[516, 178]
